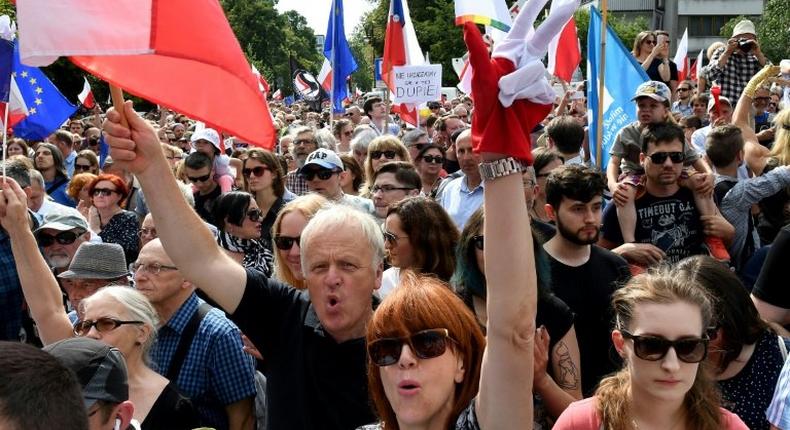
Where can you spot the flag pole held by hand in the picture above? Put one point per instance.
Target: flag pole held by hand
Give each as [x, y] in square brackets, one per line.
[117, 102]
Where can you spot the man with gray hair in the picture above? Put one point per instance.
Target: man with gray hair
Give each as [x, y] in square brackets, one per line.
[303, 143]
[313, 340]
[415, 140]
[40, 202]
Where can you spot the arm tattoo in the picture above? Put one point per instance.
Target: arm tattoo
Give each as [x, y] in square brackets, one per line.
[568, 377]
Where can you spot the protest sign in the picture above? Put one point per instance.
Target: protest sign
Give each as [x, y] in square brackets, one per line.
[417, 84]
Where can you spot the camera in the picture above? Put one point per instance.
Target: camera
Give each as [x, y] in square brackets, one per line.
[745, 45]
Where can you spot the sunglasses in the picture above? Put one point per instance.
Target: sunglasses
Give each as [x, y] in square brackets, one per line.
[102, 192]
[654, 348]
[424, 344]
[285, 243]
[661, 157]
[650, 42]
[388, 188]
[82, 167]
[63, 238]
[392, 239]
[323, 174]
[419, 146]
[433, 159]
[254, 215]
[199, 178]
[103, 325]
[478, 241]
[257, 171]
[389, 155]
[683, 89]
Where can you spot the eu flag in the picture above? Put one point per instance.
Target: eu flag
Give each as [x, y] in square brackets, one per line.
[337, 51]
[622, 76]
[47, 109]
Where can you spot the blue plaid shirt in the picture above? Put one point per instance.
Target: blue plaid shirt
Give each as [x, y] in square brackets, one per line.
[11, 296]
[216, 371]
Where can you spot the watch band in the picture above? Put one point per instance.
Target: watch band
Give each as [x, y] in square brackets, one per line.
[500, 168]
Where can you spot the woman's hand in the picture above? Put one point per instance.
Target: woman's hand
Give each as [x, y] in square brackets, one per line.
[541, 357]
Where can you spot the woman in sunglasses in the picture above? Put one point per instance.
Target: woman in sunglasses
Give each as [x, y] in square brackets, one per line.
[418, 236]
[265, 180]
[382, 149]
[661, 321]
[86, 162]
[745, 354]
[108, 220]
[429, 162]
[286, 233]
[238, 220]
[124, 318]
[557, 374]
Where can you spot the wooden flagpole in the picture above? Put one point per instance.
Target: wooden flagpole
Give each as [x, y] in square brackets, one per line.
[601, 80]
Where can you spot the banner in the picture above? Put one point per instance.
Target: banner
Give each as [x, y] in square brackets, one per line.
[417, 84]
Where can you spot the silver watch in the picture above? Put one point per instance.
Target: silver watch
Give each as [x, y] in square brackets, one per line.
[500, 168]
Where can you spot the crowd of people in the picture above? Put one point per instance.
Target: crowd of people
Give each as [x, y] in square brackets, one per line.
[364, 273]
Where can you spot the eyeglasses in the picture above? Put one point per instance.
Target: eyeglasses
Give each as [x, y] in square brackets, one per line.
[103, 325]
[392, 239]
[82, 167]
[661, 157]
[323, 174]
[102, 192]
[63, 238]
[199, 178]
[478, 241]
[257, 171]
[389, 155]
[285, 243]
[654, 348]
[151, 268]
[147, 232]
[388, 188]
[254, 215]
[304, 142]
[424, 344]
[433, 159]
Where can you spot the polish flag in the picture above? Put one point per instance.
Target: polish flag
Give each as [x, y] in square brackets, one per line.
[401, 48]
[17, 109]
[278, 95]
[697, 66]
[465, 78]
[262, 84]
[325, 76]
[682, 58]
[564, 52]
[86, 96]
[181, 54]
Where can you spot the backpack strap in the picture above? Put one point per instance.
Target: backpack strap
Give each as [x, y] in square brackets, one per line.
[57, 184]
[782, 347]
[186, 341]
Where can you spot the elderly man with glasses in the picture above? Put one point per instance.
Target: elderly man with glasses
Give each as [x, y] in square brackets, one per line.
[303, 143]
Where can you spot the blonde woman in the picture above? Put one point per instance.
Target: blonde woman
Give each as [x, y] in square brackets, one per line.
[287, 232]
[382, 149]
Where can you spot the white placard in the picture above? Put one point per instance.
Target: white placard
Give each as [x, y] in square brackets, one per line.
[417, 84]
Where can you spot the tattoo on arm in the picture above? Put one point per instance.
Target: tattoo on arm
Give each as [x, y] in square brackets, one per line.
[568, 377]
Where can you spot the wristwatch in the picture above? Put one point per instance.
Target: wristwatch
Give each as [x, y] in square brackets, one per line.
[500, 168]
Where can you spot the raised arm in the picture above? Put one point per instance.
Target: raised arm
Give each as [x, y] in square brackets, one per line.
[39, 285]
[756, 155]
[187, 241]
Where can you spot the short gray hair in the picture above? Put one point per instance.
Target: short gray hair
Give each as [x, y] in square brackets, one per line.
[17, 170]
[334, 216]
[412, 136]
[36, 177]
[325, 139]
[361, 141]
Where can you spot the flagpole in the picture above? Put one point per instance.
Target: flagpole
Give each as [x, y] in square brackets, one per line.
[5, 136]
[332, 64]
[601, 79]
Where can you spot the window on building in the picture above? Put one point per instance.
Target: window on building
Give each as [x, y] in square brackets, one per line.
[707, 25]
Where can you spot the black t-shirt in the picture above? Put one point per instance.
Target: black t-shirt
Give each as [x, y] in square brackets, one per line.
[587, 290]
[312, 381]
[171, 411]
[204, 204]
[771, 286]
[670, 223]
[555, 315]
[652, 71]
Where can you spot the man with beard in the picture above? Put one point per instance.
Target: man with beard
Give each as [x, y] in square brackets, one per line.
[303, 144]
[583, 275]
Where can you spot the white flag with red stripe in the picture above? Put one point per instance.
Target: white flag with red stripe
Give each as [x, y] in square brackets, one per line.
[278, 95]
[697, 66]
[263, 85]
[86, 96]
[682, 57]
[564, 51]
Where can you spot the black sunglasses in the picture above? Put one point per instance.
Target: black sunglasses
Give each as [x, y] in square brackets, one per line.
[285, 243]
[199, 178]
[388, 188]
[654, 348]
[63, 238]
[424, 344]
[661, 157]
[323, 174]
[102, 192]
[478, 241]
[419, 146]
[254, 215]
[81, 328]
[434, 159]
[257, 171]
[82, 167]
[389, 155]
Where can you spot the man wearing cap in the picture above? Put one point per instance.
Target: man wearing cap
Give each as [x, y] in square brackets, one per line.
[302, 145]
[324, 172]
[59, 236]
[720, 115]
[734, 65]
[101, 372]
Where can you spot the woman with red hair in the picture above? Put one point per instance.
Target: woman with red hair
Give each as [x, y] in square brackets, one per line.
[108, 220]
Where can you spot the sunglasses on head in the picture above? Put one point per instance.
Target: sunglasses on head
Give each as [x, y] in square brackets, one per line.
[323, 174]
[257, 171]
[254, 215]
[423, 344]
[82, 167]
[81, 328]
[661, 157]
[419, 146]
[63, 238]
[285, 243]
[433, 159]
[389, 155]
[478, 241]
[102, 192]
[654, 348]
[199, 178]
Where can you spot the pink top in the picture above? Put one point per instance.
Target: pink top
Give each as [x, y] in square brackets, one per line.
[583, 415]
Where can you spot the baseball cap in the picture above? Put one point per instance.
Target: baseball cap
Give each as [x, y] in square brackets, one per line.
[100, 368]
[722, 99]
[657, 91]
[97, 261]
[207, 134]
[63, 221]
[324, 158]
[743, 27]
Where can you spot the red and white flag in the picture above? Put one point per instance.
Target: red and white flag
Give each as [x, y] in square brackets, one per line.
[17, 109]
[401, 48]
[697, 66]
[181, 54]
[564, 51]
[86, 95]
[682, 58]
[325, 76]
[262, 84]
[278, 95]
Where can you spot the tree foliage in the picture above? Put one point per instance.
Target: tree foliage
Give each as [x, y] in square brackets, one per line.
[625, 28]
[773, 29]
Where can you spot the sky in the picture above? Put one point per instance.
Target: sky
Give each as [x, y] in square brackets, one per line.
[317, 12]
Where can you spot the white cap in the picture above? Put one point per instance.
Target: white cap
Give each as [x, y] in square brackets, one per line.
[743, 27]
[325, 158]
[207, 134]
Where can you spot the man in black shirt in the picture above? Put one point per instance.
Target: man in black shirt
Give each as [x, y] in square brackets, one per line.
[584, 275]
[200, 172]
